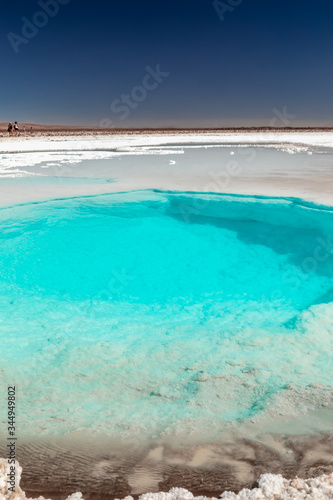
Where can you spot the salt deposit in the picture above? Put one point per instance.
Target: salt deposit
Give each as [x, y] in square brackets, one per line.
[270, 487]
[279, 164]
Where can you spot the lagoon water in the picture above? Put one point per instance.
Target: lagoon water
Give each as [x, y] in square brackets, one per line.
[153, 313]
[135, 318]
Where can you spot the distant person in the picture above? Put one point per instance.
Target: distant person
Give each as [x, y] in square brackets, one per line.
[30, 130]
[16, 128]
[10, 128]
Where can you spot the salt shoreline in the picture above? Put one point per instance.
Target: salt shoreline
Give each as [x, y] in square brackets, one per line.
[62, 156]
[88, 140]
[268, 487]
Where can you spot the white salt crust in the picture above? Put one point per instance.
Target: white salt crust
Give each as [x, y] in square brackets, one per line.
[271, 487]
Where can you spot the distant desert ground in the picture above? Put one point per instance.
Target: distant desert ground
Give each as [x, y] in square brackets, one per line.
[28, 129]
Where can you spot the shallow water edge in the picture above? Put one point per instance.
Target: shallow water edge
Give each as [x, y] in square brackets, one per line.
[102, 468]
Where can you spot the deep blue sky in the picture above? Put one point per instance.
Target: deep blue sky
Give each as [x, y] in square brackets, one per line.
[264, 56]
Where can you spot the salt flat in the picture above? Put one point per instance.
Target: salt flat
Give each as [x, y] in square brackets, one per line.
[292, 164]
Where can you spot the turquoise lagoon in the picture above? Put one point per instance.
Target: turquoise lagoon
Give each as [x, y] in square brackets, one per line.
[148, 314]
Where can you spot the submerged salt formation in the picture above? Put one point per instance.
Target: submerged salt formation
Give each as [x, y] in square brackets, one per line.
[270, 487]
[220, 350]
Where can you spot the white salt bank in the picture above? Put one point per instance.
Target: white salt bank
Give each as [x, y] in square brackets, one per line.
[270, 487]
